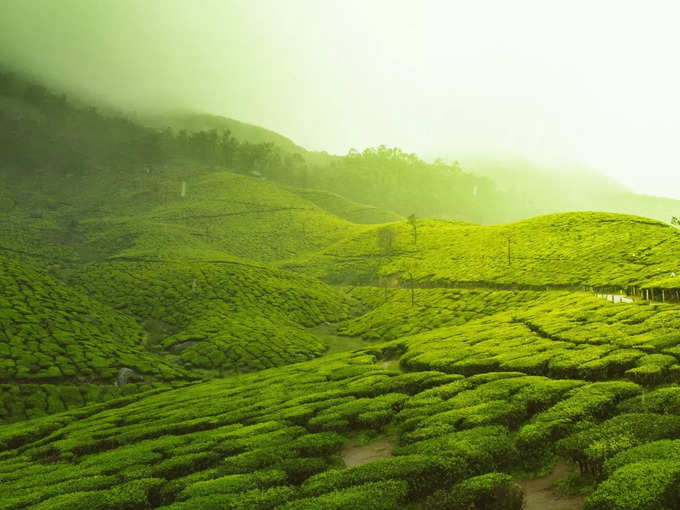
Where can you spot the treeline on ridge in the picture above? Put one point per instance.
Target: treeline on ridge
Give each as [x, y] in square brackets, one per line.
[41, 130]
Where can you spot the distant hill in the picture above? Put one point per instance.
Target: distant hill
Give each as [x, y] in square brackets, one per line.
[534, 190]
[206, 122]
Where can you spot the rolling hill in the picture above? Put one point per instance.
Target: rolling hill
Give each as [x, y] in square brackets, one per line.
[295, 348]
[567, 250]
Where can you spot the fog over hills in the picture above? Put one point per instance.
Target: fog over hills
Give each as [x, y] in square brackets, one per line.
[302, 255]
[437, 79]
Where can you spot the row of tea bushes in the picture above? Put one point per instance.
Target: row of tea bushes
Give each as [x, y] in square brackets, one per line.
[257, 441]
[51, 333]
[26, 401]
[396, 316]
[560, 335]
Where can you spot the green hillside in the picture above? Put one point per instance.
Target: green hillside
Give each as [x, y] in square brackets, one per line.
[226, 316]
[347, 209]
[299, 335]
[205, 122]
[59, 348]
[562, 250]
[51, 332]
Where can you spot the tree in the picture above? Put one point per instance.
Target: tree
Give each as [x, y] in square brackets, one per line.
[675, 221]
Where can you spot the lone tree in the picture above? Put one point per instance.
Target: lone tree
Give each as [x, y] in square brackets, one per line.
[675, 221]
[412, 221]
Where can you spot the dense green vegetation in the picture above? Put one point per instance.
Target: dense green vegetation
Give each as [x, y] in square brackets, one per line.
[269, 332]
[50, 333]
[556, 251]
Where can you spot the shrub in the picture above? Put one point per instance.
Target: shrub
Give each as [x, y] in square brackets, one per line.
[423, 474]
[640, 486]
[472, 452]
[371, 496]
[656, 450]
[318, 444]
[492, 491]
[591, 447]
[299, 469]
[257, 499]
[234, 483]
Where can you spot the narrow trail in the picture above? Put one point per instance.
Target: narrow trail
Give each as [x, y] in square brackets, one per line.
[356, 454]
[540, 493]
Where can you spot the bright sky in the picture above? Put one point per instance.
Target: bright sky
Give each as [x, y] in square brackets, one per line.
[594, 83]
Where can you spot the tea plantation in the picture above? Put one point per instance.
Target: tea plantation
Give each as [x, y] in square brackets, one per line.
[475, 356]
[556, 251]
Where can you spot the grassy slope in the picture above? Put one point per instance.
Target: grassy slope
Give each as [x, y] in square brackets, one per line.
[222, 215]
[225, 316]
[572, 249]
[60, 348]
[169, 265]
[493, 381]
[347, 209]
[52, 332]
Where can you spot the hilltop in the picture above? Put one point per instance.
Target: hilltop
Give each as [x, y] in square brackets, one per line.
[197, 122]
[568, 250]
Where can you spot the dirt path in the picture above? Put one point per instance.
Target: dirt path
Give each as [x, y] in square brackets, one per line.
[540, 494]
[356, 454]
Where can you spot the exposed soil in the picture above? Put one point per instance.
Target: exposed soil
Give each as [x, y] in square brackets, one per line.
[356, 454]
[389, 364]
[540, 493]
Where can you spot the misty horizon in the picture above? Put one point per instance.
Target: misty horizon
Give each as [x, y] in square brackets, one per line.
[559, 88]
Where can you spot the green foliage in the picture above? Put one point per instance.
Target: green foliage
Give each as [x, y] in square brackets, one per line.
[590, 448]
[654, 451]
[371, 496]
[649, 485]
[492, 491]
[51, 333]
[423, 474]
[139, 250]
[347, 209]
[572, 250]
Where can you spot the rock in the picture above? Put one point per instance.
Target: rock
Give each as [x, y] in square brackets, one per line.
[124, 375]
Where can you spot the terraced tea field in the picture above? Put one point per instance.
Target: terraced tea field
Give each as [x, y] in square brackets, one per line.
[285, 357]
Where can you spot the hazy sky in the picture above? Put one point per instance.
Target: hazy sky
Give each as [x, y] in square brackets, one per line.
[592, 83]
